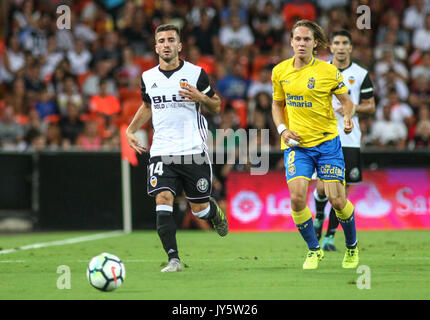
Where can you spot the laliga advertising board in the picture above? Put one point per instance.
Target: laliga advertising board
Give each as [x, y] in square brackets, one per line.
[386, 199]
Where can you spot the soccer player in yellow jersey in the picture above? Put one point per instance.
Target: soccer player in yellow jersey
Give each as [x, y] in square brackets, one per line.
[302, 111]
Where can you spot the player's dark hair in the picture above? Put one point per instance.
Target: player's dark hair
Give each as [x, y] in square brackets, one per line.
[343, 33]
[168, 27]
[317, 31]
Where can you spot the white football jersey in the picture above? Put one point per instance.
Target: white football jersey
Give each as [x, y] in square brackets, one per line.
[179, 127]
[360, 87]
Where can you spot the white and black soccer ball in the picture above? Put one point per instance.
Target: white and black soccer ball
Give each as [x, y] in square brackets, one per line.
[106, 272]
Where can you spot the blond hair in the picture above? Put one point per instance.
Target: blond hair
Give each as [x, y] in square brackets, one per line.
[317, 31]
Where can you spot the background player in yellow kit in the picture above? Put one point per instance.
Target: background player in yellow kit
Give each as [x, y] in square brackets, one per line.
[302, 111]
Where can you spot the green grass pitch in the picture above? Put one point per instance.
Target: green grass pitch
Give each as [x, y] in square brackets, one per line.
[239, 266]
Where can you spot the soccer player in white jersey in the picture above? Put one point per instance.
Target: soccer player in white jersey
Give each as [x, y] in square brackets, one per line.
[173, 93]
[360, 89]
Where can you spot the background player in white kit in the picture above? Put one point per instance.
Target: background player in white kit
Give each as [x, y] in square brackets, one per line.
[360, 89]
[173, 93]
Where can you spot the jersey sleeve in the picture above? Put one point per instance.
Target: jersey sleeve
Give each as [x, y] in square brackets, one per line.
[278, 91]
[366, 89]
[339, 86]
[203, 84]
[145, 96]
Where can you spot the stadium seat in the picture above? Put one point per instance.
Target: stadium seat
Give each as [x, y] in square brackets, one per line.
[126, 93]
[258, 63]
[53, 118]
[22, 119]
[241, 108]
[145, 63]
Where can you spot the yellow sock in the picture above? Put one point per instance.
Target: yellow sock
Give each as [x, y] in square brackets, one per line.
[346, 212]
[301, 216]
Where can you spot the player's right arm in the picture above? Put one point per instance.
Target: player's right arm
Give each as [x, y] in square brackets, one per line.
[140, 118]
[279, 120]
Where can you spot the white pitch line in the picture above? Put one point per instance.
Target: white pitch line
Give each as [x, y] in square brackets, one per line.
[66, 241]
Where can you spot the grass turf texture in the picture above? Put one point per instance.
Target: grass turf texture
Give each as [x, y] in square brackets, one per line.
[240, 266]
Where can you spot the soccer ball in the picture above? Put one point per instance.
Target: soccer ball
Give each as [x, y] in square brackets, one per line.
[106, 272]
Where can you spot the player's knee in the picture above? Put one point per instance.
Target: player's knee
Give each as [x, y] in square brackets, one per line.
[337, 202]
[298, 201]
[164, 198]
[198, 207]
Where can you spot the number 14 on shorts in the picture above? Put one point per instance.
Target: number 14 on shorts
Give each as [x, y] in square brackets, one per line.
[156, 168]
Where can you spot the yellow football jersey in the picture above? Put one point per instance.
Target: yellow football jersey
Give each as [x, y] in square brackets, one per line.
[308, 94]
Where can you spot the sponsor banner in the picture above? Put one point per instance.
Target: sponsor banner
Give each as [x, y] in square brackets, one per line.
[386, 199]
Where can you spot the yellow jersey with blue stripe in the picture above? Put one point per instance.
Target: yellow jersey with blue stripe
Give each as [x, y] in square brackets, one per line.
[307, 93]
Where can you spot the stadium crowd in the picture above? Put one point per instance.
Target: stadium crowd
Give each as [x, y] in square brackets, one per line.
[74, 88]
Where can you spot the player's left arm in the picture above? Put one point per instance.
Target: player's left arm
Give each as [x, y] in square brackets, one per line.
[203, 93]
[367, 101]
[348, 111]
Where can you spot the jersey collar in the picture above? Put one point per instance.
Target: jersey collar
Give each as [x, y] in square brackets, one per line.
[168, 73]
[311, 63]
[342, 70]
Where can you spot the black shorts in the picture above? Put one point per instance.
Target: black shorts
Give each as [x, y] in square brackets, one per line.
[353, 168]
[194, 176]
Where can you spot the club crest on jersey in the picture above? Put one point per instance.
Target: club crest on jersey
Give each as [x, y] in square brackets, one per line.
[202, 185]
[153, 181]
[183, 83]
[291, 169]
[311, 83]
[351, 80]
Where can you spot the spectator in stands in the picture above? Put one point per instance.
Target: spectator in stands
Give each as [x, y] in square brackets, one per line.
[422, 69]
[205, 35]
[235, 34]
[420, 89]
[387, 132]
[138, 35]
[35, 39]
[91, 85]
[11, 132]
[129, 69]
[229, 120]
[46, 105]
[422, 133]
[399, 111]
[51, 60]
[104, 103]
[414, 15]
[421, 36]
[393, 25]
[392, 81]
[262, 84]
[235, 7]
[79, 58]
[28, 16]
[271, 9]
[266, 39]
[199, 12]
[71, 125]
[33, 83]
[13, 60]
[390, 43]
[34, 124]
[18, 98]
[388, 61]
[89, 140]
[109, 52]
[234, 86]
[69, 94]
[53, 136]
